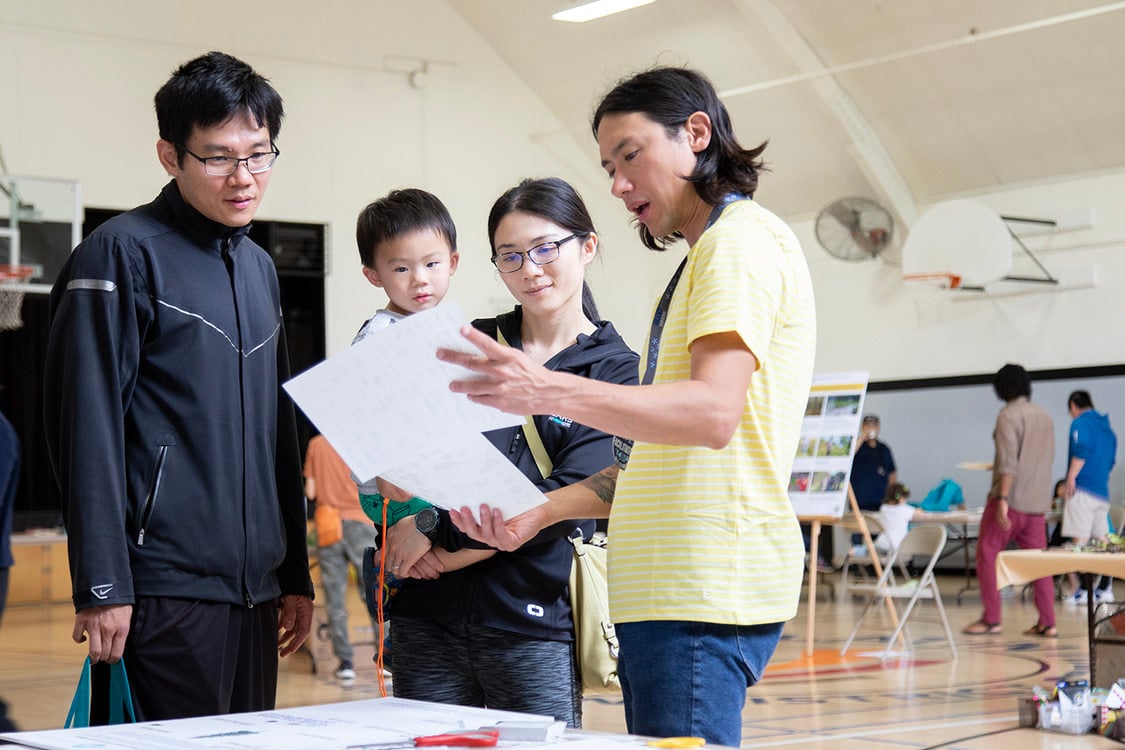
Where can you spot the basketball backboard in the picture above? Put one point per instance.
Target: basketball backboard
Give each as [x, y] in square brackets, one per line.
[41, 219]
[961, 237]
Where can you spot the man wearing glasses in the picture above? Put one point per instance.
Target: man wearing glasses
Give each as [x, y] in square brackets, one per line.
[172, 441]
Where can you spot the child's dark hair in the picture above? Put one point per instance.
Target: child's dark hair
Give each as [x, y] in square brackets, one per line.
[552, 199]
[896, 493]
[398, 213]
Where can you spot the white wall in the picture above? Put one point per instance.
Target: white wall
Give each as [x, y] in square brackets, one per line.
[76, 86]
[869, 320]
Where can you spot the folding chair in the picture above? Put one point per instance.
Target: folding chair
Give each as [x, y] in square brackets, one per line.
[875, 528]
[919, 541]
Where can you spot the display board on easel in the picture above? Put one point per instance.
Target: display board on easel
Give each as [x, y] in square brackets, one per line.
[818, 482]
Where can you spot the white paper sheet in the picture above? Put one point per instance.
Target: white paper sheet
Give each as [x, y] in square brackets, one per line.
[451, 475]
[388, 395]
[332, 726]
[324, 727]
[385, 406]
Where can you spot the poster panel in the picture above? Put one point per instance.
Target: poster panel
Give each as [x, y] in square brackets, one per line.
[818, 483]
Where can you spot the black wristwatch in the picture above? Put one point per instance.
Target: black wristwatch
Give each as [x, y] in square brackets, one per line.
[426, 521]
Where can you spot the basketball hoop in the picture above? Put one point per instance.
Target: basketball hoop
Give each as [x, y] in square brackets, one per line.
[928, 289]
[11, 295]
[933, 280]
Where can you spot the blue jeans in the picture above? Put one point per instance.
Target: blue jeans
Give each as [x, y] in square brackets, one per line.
[690, 678]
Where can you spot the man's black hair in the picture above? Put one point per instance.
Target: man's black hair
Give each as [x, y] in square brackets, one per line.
[209, 91]
[668, 97]
[1011, 382]
[1081, 400]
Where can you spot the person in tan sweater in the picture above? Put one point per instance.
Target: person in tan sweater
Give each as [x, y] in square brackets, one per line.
[1019, 498]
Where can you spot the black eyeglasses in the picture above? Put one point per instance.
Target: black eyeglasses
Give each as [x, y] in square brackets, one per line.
[540, 255]
[225, 166]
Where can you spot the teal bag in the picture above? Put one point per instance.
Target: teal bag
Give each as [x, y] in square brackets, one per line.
[945, 494]
[120, 698]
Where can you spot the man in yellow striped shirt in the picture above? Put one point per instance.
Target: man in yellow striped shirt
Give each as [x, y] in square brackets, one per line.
[706, 554]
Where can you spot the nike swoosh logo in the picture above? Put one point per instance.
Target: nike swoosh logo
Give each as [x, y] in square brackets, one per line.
[102, 591]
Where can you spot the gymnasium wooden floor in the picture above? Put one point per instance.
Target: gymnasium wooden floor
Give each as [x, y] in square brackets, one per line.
[927, 700]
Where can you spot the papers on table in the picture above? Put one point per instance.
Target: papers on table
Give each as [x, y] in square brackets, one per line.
[326, 727]
[385, 406]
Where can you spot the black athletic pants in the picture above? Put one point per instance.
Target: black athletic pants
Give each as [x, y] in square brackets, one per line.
[189, 658]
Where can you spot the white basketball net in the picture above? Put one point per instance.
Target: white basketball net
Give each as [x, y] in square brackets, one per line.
[931, 294]
[11, 300]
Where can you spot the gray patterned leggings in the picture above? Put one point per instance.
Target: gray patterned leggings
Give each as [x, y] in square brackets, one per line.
[472, 665]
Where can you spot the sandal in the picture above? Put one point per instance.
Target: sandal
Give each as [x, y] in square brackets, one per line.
[980, 627]
[1043, 632]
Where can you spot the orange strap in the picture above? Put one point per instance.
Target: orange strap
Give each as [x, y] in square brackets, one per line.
[380, 632]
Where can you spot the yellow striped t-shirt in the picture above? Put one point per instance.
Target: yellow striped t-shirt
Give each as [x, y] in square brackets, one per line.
[709, 535]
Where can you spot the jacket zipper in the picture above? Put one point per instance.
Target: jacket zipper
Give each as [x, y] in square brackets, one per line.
[228, 261]
[150, 497]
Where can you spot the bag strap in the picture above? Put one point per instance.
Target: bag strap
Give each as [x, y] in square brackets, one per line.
[78, 717]
[538, 450]
[120, 696]
[531, 432]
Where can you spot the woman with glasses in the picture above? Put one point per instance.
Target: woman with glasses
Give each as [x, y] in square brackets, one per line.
[499, 633]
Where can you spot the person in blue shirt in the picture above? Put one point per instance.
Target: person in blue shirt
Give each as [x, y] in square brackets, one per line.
[1091, 454]
[873, 469]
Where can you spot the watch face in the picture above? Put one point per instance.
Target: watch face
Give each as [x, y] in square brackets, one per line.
[426, 520]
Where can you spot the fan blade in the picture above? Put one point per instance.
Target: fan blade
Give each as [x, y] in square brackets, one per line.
[847, 217]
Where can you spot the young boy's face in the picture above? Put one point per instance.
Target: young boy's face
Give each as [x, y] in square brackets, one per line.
[414, 270]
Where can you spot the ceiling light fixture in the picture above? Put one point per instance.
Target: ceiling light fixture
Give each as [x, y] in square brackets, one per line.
[597, 9]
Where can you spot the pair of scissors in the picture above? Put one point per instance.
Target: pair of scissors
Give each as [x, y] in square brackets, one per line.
[481, 738]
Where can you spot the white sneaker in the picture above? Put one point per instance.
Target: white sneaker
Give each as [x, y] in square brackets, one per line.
[1078, 597]
[345, 672]
[1104, 596]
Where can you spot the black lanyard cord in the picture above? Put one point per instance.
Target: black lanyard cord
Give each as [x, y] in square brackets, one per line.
[660, 317]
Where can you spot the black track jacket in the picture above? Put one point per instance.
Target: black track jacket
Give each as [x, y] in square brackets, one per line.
[170, 436]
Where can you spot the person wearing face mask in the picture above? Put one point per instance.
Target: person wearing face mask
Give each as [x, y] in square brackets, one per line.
[873, 467]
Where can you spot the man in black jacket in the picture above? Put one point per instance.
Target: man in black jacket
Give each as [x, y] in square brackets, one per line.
[171, 438]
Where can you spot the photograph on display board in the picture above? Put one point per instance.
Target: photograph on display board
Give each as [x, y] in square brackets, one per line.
[818, 482]
[837, 445]
[815, 406]
[846, 405]
[807, 446]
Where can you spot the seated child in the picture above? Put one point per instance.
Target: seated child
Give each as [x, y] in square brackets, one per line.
[896, 516]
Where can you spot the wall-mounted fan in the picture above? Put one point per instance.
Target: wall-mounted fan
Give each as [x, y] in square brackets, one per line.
[854, 228]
